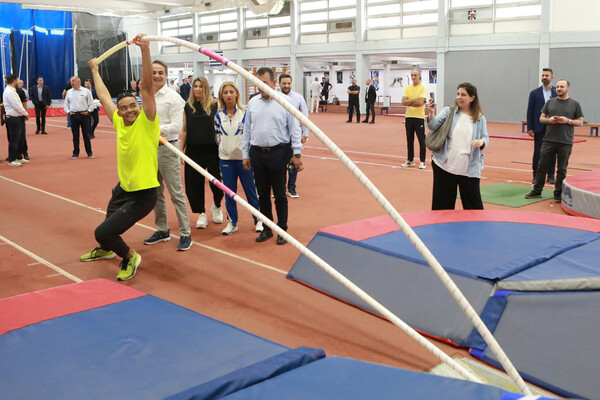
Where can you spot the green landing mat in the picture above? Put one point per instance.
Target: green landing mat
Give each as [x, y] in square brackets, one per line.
[511, 195]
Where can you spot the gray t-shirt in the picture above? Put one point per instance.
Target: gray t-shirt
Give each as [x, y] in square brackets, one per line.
[561, 133]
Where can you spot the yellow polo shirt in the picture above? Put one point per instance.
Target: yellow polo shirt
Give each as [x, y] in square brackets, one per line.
[413, 92]
[137, 152]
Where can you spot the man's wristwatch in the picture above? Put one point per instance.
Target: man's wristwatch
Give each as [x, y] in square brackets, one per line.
[569, 122]
[297, 155]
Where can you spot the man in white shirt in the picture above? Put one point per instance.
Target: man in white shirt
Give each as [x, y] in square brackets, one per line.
[315, 95]
[78, 106]
[169, 107]
[16, 115]
[285, 83]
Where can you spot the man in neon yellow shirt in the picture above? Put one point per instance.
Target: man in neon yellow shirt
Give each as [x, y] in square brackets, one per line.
[137, 162]
[414, 99]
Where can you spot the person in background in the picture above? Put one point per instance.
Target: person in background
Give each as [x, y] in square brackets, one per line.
[64, 93]
[133, 87]
[169, 106]
[199, 143]
[325, 89]
[370, 97]
[16, 115]
[269, 133]
[134, 195]
[41, 97]
[186, 87]
[94, 117]
[78, 105]
[229, 129]
[23, 148]
[353, 101]
[460, 160]
[173, 86]
[560, 115]
[537, 98]
[315, 95]
[414, 99]
[285, 83]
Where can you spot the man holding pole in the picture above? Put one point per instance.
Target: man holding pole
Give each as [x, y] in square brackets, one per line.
[134, 196]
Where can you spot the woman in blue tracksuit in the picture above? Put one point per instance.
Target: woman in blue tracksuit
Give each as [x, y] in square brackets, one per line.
[229, 129]
[460, 160]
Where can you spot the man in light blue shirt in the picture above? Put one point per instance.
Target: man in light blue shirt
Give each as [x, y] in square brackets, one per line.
[285, 83]
[271, 142]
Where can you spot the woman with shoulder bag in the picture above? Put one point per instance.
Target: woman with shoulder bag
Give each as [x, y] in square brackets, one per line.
[459, 161]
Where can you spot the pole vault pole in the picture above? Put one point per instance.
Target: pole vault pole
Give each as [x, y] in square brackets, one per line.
[386, 205]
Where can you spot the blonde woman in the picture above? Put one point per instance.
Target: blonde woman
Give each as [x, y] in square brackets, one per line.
[198, 138]
[229, 128]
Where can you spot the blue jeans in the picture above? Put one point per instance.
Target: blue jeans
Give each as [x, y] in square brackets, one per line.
[231, 170]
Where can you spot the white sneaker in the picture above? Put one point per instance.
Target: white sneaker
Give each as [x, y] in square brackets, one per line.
[202, 221]
[422, 165]
[229, 229]
[14, 164]
[258, 227]
[217, 213]
[408, 164]
[23, 161]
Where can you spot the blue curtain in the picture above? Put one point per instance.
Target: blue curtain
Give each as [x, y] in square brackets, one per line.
[49, 48]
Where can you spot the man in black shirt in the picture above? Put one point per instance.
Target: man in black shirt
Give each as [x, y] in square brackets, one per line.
[23, 146]
[353, 101]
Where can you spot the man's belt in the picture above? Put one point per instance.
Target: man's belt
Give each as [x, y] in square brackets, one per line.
[269, 149]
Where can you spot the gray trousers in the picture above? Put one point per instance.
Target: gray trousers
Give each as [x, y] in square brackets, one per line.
[169, 175]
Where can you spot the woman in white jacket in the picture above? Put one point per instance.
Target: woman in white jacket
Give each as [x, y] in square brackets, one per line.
[229, 129]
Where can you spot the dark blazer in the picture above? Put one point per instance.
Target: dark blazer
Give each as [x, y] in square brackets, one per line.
[371, 94]
[46, 95]
[184, 90]
[534, 109]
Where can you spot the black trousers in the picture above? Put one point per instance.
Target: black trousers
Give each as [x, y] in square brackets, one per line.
[444, 191]
[415, 125]
[270, 173]
[78, 120]
[40, 117]
[206, 156]
[15, 130]
[538, 137]
[550, 151]
[352, 106]
[94, 120]
[123, 211]
[371, 109]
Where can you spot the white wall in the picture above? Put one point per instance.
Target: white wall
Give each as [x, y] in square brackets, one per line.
[574, 15]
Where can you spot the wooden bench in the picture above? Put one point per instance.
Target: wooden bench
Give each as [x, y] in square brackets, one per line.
[593, 128]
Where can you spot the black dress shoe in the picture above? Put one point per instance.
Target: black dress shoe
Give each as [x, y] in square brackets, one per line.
[551, 179]
[372, 122]
[281, 240]
[37, 132]
[348, 121]
[44, 133]
[264, 235]
[364, 122]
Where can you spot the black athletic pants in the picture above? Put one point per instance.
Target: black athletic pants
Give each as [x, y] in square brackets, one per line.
[415, 125]
[123, 211]
[444, 190]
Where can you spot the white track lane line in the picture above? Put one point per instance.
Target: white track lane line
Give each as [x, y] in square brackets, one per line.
[259, 264]
[41, 260]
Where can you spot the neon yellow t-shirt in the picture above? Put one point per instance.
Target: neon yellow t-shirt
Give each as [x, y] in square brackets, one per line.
[413, 92]
[137, 152]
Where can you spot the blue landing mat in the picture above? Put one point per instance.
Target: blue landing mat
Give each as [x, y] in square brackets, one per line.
[145, 348]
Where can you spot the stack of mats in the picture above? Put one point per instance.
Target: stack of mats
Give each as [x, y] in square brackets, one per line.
[103, 340]
[533, 278]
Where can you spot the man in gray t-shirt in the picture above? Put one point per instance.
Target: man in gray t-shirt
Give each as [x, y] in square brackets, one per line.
[560, 115]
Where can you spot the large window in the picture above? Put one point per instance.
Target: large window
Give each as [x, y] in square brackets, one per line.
[179, 26]
[268, 30]
[469, 17]
[329, 20]
[218, 26]
[401, 18]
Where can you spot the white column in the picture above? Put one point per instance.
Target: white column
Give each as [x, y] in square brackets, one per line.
[545, 36]
[363, 72]
[442, 49]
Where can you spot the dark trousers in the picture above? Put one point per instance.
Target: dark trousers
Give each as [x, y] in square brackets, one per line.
[538, 137]
[40, 117]
[269, 173]
[352, 106]
[444, 191]
[15, 130]
[550, 151]
[123, 211]
[292, 177]
[371, 109]
[78, 120]
[94, 120]
[415, 125]
[206, 156]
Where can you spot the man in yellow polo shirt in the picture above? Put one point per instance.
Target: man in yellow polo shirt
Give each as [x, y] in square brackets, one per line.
[137, 162]
[414, 99]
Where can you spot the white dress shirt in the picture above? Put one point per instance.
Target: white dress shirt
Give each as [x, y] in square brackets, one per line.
[12, 103]
[79, 100]
[169, 108]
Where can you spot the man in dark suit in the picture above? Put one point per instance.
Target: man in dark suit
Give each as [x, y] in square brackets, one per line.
[186, 88]
[537, 98]
[370, 96]
[41, 98]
